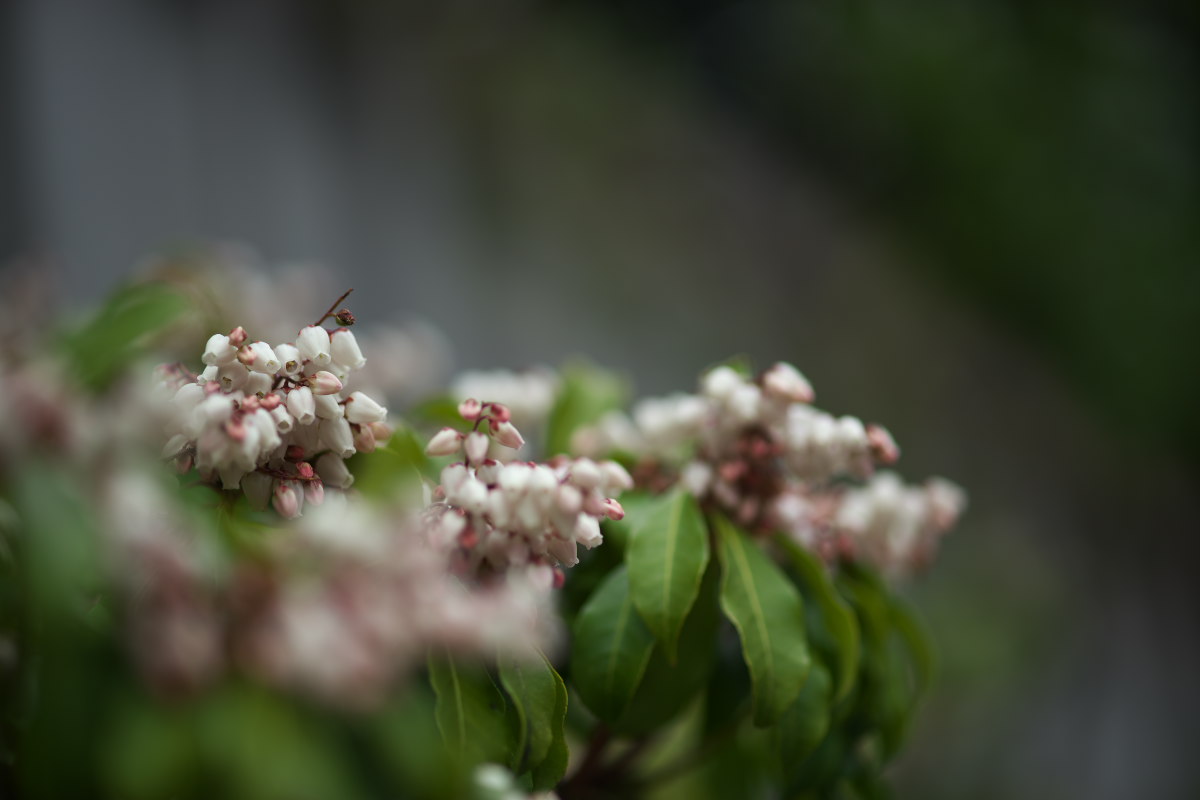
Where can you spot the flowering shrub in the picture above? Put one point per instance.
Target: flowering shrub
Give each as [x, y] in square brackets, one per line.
[245, 578]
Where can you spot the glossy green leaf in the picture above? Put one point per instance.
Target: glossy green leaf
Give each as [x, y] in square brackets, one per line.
[667, 556]
[587, 391]
[667, 688]
[550, 771]
[768, 613]
[611, 648]
[837, 614]
[470, 711]
[532, 686]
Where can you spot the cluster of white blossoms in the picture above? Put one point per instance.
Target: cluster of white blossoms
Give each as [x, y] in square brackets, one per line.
[895, 526]
[344, 607]
[275, 422]
[757, 449]
[495, 517]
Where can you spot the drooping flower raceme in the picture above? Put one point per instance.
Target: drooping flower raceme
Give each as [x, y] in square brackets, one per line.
[495, 517]
[760, 452]
[275, 422]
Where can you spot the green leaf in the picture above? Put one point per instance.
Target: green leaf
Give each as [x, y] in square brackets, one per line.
[837, 614]
[918, 641]
[395, 468]
[587, 392]
[470, 711]
[768, 613]
[667, 556]
[547, 774]
[667, 688]
[805, 722]
[403, 739]
[611, 648]
[533, 688]
[122, 330]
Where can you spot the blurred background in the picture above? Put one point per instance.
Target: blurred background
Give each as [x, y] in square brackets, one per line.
[975, 221]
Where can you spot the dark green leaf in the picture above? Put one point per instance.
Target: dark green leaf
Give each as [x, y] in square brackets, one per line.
[532, 686]
[470, 711]
[838, 616]
[768, 613]
[805, 722]
[667, 556]
[548, 773]
[918, 641]
[611, 648]
[667, 688]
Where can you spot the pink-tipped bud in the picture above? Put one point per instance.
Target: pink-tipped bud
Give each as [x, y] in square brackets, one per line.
[786, 383]
[314, 493]
[251, 403]
[364, 439]
[269, 401]
[470, 409]
[883, 446]
[444, 443]
[246, 355]
[382, 432]
[476, 448]
[507, 434]
[287, 499]
[500, 412]
[237, 336]
[613, 509]
[325, 383]
[235, 429]
[305, 470]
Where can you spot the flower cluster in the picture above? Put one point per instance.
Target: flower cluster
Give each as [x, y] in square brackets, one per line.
[494, 517]
[274, 422]
[528, 394]
[759, 451]
[347, 604]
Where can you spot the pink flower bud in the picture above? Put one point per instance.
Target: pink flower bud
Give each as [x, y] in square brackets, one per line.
[382, 432]
[476, 448]
[287, 499]
[304, 469]
[470, 409]
[507, 435]
[246, 355]
[500, 412]
[444, 443]
[883, 446]
[785, 382]
[613, 510]
[237, 336]
[325, 383]
[364, 439]
[269, 401]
